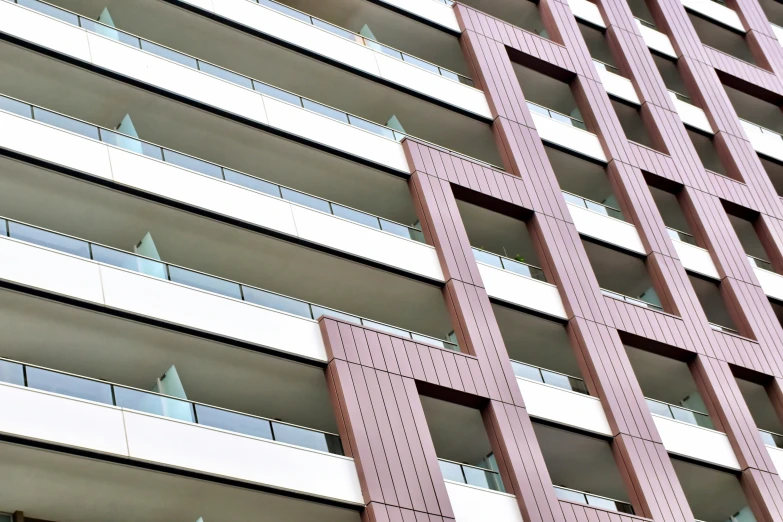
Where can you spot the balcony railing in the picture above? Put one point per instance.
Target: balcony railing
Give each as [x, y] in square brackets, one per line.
[760, 263]
[367, 42]
[609, 68]
[589, 204]
[557, 116]
[647, 24]
[763, 130]
[95, 390]
[185, 276]
[225, 74]
[629, 299]
[679, 235]
[214, 170]
[472, 475]
[512, 265]
[680, 413]
[771, 438]
[561, 380]
[598, 501]
[682, 97]
[721, 328]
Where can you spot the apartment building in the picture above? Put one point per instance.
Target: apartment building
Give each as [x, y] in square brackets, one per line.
[391, 260]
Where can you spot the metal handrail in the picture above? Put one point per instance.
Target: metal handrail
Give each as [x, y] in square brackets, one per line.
[586, 495]
[589, 204]
[255, 85]
[162, 270]
[706, 421]
[216, 170]
[492, 478]
[722, 328]
[763, 130]
[581, 389]
[647, 24]
[760, 263]
[609, 67]
[113, 386]
[534, 272]
[775, 438]
[629, 299]
[682, 97]
[679, 235]
[555, 115]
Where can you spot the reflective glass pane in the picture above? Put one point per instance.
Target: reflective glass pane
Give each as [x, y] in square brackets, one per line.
[396, 229]
[278, 94]
[538, 109]
[339, 31]
[427, 340]
[467, 81]
[386, 50]
[576, 200]
[69, 385]
[451, 471]
[386, 328]
[476, 477]
[47, 239]
[370, 126]
[50, 10]
[16, 107]
[131, 144]
[318, 311]
[110, 32]
[306, 200]
[326, 111]
[450, 75]
[355, 215]
[595, 207]
[204, 282]
[300, 436]
[129, 261]
[488, 258]
[578, 385]
[517, 267]
[169, 54]
[226, 75]
[11, 373]
[276, 302]
[526, 371]
[252, 183]
[766, 437]
[189, 162]
[420, 63]
[230, 421]
[66, 123]
[3, 227]
[285, 10]
[556, 379]
[567, 494]
[600, 502]
[153, 403]
[659, 408]
[417, 235]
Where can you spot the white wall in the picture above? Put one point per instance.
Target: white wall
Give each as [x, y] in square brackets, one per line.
[568, 137]
[771, 283]
[656, 40]
[433, 11]
[695, 259]
[763, 142]
[57, 419]
[587, 11]
[696, 442]
[354, 54]
[617, 85]
[776, 454]
[606, 229]
[82, 279]
[564, 406]
[472, 504]
[520, 290]
[129, 61]
[172, 182]
[717, 12]
[778, 32]
[691, 115]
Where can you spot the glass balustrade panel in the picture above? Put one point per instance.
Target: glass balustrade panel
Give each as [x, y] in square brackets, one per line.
[231, 421]
[48, 239]
[11, 373]
[154, 404]
[252, 183]
[276, 302]
[526, 371]
[204, 282]
[451, 471]
[16, 107]
[69, 385]
[129, 261]
[305, 438]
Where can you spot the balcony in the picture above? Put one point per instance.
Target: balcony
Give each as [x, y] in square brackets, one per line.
[477, 494]
[722, 37]
[693, 257]
[713, 494]
[565, 132]
[655, 40]
[572, 495]
[777, 31]
[716, 11]
[774, 444]
[587, 11]
[522, 13]
[603, 222]
[690, 114]
[765, 141]
[614, 83]
[248, 92]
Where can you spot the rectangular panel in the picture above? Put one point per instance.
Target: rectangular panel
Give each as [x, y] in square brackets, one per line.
[568, 137]
[564, 406]
[523, 291]
[776, 454]
[717, 12]
[57, 146]
[43, 416]
[656, 40]
[434, 85]
[696, 442]
[216, 452]
[434, 11]
[174, 77]
[212, 313]
[695, 259]
[691, 115]
[587, 11]
[472, 504]
[771, 283]
[778, 31]
[38, 267]
[616, 85]
[367, 242]
[606, 229]
[43, 30]
[335, 134]
[203, 191]
[764, 142]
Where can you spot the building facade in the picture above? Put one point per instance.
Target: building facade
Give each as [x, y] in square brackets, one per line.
[391, 260]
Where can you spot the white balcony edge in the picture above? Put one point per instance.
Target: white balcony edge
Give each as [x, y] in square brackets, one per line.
[719, 13]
